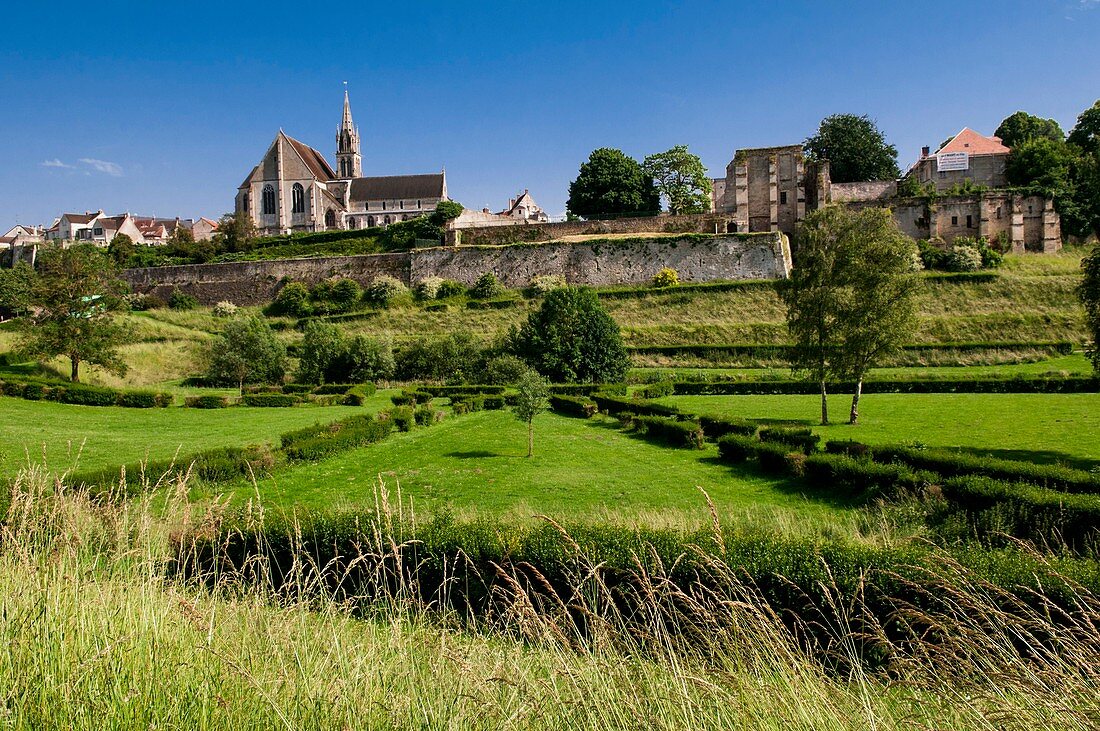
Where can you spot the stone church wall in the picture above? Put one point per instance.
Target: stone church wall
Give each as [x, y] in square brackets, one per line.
[598, 263]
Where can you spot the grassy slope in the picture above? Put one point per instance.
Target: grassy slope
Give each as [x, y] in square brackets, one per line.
[103, 436]
[1040, 427]
[580, 469]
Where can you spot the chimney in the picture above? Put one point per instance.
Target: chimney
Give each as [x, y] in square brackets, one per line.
[924, 151]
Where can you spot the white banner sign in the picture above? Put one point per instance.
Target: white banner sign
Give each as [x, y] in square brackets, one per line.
[952, 161]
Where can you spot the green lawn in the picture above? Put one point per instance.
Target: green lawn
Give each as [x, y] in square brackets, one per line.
[1039, 427]
[581, 469]
[55, 433]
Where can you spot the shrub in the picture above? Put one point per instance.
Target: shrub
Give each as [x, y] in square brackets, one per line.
[545, 283]
[452, 358]
[353, 398]
[493, 403]
[323, 440]
[34, 391]
[143, 302]
[670, 431]
[737, 448]
[667, 277]
[801, 438]
[716, 427]
[615, 405]
[657, 390]
[344, 294]
[578, 406]
[225, 309]
[144, 399]
[850, 477]
[486, 287]
[403, 418]
[180, 300]
[964, 258]
[247, 351]
[428, 288]
[383, 290]
[206, 402]
[848, 447]
[292, 299]
[426, 415]
[75, 393]
[450, 288]
[772, 457]
[270, 400]
[504, 369]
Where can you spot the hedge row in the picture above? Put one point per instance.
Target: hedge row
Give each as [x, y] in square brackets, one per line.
[780, 350]
[669, 431]
[214, 465]
[466, 390]
[474, 568]
[1045, 517]
[206, 402]
[578, 406]
[323, 440]
[465, 404]
[960, 464]
[1071, 384]
[634, 292]
[800, 438]
[82, 395]
[717, 427]
[270, 400]
[588, 389]
[615, 405]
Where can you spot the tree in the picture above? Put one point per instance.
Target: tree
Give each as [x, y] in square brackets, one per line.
[322, 344]
[75, 296]
[1084, 139]
[247, 351]
[855, 148]
[812, 296]
[121, 249]
[532, 398]
[1043, 163]
[878, 303]
[1085, 135]
[1021, 127]
[235, 232]
[612, 184]
[446, 211]
[15, 289]
[1089, 292]
[681, 178]
[572, 338]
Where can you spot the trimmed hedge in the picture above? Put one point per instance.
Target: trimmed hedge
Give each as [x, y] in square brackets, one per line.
[657, 390]
[412, 397]
[215, 465]
[206, 402]
[322, 440]
[615, 405]
[83, 395]
[634, 292]
[578, 406]
[717, 427]
[464, 390]
[270, 400]
[780, 350]
[859, 478]
[801, 438]
[1036, 514]
[588, 389]
[670, 431]
[1071, 384]
[737, 448]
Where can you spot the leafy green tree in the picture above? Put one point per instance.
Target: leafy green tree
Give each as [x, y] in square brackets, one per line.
[532, 398]
[363, 359]
[236, 232]
[1021, 127]
[1085, 135]
[446, 211]
[292, 299]
[855, 148]
[1085, 177]
[1043, 163]
[681, 178]
[612, 184]
[120, 249]
[812, 296]
[75, 296]
[322, 344]
[247, 351]
[15, 289]
[878, 302]
[1089, 292]
[572, 338]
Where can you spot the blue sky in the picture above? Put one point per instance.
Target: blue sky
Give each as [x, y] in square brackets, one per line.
[163, 108]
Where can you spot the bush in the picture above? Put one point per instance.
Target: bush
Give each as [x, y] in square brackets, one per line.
[450, 288]
[452, 358]
[615, 405]
[737, 448]
[486, 287]
[383, 290]
[75, 393]
[716, 427]
[850, 448]
[859, 478]
[667, 277]
[180, 300]
[578, 406]
[545, 283]
[772, 457]
[426, 415]
[143, 302]
[344, 294]
[801, 438]
[964, 258]
[206, 402]
[428, 288]
[353, 398]
[670, 431]
[270, 400]
[403, 417]
[144, 399]
[247, 351]
[292, 299]
[657, 390]
[504, 369]
[323, 440]
[225, 309]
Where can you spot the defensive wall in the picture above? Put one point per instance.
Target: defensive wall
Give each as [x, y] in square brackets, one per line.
[596, 263]
[535, 232]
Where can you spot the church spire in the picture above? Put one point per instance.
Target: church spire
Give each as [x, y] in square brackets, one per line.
[349, 161]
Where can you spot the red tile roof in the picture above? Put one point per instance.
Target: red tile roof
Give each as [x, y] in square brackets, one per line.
[971, 142]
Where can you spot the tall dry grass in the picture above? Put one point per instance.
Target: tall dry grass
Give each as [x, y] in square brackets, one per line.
[93, 634]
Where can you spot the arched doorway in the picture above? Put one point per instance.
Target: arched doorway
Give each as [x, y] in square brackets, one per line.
[330, 218]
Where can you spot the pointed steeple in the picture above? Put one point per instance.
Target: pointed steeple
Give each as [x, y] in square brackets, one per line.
[349, 161]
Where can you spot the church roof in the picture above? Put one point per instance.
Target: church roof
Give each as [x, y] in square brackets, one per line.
[314, 160]
[973, 143]
[397, 187]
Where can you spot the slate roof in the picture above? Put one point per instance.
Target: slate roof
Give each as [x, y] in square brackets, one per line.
[80, 217]
[973, 143]
[397, 187]
[314, 160]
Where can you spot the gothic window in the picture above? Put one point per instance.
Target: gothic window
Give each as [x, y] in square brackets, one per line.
[330, 218]
[386, 220]
[400, 204]
[244, 204]
[352, 223]
[370, 221]
[418, 206]
[383, 205]
[269, 200]
[298, 199]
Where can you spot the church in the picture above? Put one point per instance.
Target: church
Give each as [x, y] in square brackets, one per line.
[295, 189]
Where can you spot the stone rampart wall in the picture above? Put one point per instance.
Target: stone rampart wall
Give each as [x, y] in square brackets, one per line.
[597, 263]
[539, 232]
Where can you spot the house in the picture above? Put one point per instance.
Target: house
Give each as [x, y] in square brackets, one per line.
[968, 158]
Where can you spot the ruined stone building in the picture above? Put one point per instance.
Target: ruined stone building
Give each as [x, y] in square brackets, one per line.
[773, 188]
[293, 188]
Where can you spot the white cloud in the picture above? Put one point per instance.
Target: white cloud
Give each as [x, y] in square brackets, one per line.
[55, 163]
[103, 166]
